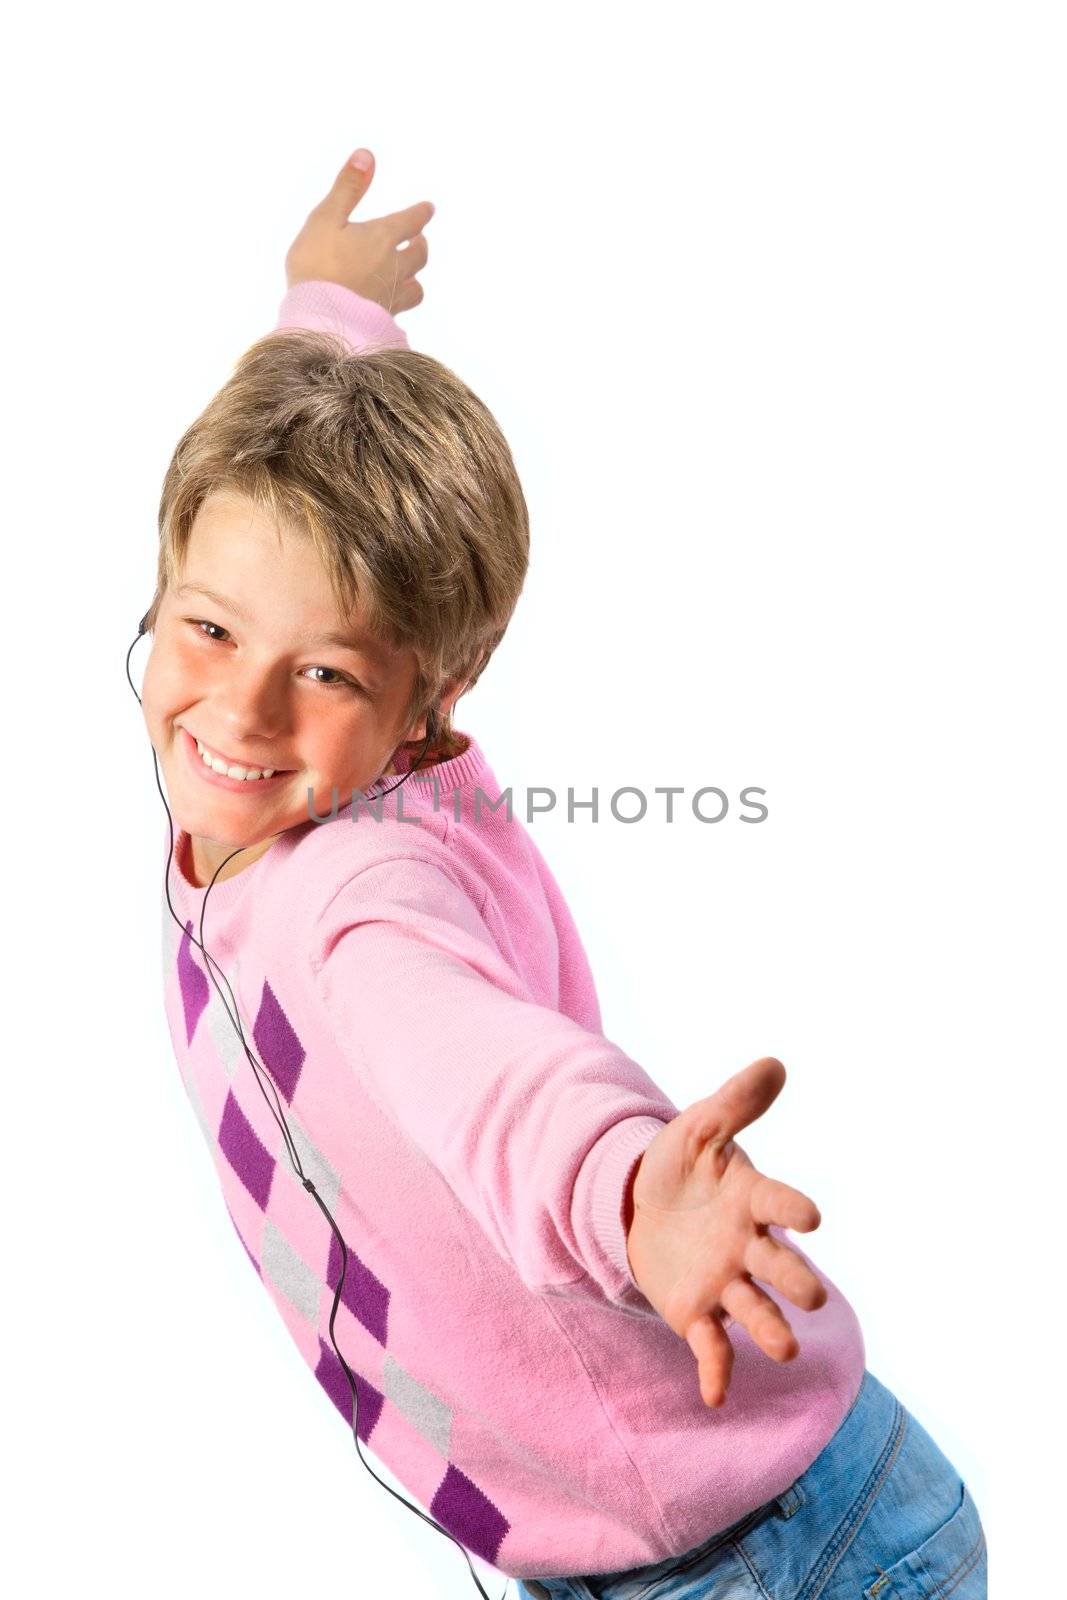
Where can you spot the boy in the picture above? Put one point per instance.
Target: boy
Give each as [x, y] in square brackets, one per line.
[513, 1228]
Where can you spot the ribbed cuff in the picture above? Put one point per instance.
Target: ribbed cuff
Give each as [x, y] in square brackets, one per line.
[597, 1205]
[319, 303]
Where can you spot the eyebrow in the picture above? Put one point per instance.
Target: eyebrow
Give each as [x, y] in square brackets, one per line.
[352, 641]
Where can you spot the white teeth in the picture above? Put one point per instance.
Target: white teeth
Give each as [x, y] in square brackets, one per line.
[249, 774]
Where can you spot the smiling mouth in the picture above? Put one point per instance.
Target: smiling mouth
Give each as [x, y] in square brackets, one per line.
[228, 767]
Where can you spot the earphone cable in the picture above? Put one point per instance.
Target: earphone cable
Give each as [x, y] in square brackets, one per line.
[276, 1110]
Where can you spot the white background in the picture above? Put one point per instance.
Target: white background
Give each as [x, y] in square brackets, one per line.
[769, 302]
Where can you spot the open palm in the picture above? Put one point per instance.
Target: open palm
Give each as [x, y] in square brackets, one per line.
[699, 1235]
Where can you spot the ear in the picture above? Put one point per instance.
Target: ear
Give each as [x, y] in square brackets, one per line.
[451, 692]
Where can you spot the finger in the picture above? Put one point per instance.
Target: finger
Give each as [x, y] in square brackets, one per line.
[775, 1263]
[409, 294]
[773, 1201]
[401, 225]
[736, 1103]
[413, 257]
[758, 1313]
[707, 1339]
[349, 187]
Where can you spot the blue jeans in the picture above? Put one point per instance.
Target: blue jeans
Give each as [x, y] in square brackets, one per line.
[880, 1514]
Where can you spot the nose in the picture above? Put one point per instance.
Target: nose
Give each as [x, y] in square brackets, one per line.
[251, 704]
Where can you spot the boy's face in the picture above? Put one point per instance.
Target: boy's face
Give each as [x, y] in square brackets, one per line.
[258, 679]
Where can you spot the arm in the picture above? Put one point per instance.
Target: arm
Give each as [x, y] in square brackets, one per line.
[316, 303]
[533, 1121]
[352, 278]
[579, 1170]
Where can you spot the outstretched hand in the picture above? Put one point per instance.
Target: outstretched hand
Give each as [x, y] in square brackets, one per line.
[363, 256]
[699, 1233]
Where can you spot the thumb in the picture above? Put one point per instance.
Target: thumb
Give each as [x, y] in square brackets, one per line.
[739, 1101]
[349, 187]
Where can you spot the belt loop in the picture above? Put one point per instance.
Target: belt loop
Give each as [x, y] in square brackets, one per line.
[790, 1500]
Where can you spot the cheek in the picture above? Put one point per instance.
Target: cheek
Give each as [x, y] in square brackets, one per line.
[340, 743]
[173, 677]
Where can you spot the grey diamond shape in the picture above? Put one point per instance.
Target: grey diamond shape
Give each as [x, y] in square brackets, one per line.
[424, 1410]
[224, 1035]
[287, 1271]
[315, 1165]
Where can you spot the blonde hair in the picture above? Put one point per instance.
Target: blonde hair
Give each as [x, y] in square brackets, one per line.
[398, 474]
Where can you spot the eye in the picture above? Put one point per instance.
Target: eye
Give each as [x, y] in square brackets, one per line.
[197, 623]
[340, 681]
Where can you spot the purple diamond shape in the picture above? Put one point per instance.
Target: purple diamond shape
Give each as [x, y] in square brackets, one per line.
[280, 1049]
[331, 1375]
[247, 1155]
[365, 1295]
[468, 1514]
[192, 982]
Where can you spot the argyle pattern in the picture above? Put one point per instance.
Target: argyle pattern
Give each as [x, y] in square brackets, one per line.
[260, 1190]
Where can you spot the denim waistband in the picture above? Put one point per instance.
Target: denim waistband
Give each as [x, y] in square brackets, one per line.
[862, 1434]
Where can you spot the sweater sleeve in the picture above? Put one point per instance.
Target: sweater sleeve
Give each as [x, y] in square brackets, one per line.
[318, 303]
[534, 1122]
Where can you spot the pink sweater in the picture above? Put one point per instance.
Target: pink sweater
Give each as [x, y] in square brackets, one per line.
[419, 996]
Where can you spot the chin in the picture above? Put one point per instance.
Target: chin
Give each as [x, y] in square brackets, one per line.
[202, 822]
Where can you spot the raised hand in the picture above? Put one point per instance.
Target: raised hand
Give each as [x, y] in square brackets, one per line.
[363, 256]
[699, 1234]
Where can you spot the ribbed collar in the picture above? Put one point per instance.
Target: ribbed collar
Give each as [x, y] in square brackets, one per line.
[188, 897]
[448, 775]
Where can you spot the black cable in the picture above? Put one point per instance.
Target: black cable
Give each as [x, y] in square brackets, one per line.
[276, 1110]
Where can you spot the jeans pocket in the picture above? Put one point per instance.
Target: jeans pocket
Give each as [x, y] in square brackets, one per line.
[952, 1561]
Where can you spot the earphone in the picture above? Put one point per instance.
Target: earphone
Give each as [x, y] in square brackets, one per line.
[276, 1110]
